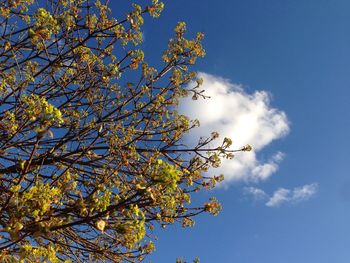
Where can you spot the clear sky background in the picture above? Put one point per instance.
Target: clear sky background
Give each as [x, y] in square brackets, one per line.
[285, 66]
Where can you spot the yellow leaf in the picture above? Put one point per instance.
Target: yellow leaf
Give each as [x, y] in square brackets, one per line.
[100, 225]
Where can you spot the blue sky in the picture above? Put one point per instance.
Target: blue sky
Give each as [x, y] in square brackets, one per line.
[298, 53]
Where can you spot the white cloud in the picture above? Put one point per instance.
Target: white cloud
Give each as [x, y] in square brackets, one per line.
[256, 193]
[264, 170]
[304, 192]
[245, 118]
[283, 195]
[280, 196]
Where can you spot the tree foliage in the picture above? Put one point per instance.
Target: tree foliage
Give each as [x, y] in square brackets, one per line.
[91, 150]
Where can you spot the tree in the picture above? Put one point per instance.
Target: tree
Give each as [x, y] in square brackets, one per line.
[91, 150]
